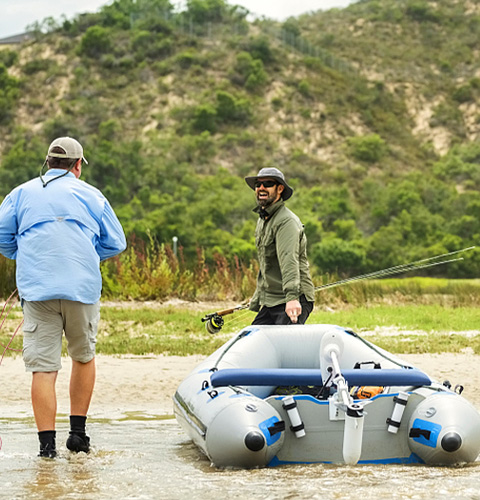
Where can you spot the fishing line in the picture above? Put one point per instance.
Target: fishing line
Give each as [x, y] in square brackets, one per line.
[239, 317]
[214, 322]
[400, 268]
[8, 348]
[386, 272]
[5, 314]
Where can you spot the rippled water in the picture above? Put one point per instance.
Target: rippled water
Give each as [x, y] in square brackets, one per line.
[147, 456]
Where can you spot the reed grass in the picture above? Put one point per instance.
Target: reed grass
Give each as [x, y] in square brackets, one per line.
[151, 271]
[155, 329]
[429, 314]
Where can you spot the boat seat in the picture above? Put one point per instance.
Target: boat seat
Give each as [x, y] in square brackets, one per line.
[298, 376]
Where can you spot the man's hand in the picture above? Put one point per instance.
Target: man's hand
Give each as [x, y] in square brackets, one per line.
[293, 309]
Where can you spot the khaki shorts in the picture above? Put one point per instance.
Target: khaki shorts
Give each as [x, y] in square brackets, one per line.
[43, 327]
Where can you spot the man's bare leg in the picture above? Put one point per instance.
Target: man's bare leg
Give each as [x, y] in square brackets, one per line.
[82, 382]
[44, 400]
[44, 403]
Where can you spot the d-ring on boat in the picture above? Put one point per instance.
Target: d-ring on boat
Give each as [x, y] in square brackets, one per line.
[320, 393]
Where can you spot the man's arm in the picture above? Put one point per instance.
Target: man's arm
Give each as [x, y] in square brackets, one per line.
[8, 229]
[288, 247]
[112, 238]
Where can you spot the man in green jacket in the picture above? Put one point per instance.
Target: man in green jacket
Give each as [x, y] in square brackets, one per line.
[285, 291]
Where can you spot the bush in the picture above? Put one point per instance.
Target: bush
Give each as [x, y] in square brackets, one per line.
[9, 91]
[7, 277]
[257, 77]
[420, 10]
[203, 11]
[186, 59]
[37, 65]
[369, 148]
[205, 118]
[95, 42]
[463, 94]
[291, 27]
[8, 57]
[304, 88]
[230, 109]
[335, 255]
[251, 71]
[21, 162]
[259, 48]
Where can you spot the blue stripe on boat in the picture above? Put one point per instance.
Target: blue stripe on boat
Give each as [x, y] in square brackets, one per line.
[296, 376]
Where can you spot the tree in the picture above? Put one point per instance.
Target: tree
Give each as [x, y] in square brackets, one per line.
[203, 11]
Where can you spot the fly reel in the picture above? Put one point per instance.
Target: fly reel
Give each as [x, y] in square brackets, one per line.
[213, 323]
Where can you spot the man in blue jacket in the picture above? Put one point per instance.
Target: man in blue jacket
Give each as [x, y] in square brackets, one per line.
[59, 228]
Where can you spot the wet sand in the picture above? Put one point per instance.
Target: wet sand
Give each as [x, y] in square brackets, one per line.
[138, 453]
[147, 383]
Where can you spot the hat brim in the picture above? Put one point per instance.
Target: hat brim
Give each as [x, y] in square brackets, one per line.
[287, 192]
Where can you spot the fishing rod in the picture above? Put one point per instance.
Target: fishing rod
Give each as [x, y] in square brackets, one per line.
[383, 273]
[214, 321]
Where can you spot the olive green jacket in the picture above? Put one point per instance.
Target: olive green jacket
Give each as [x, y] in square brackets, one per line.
[284, 272]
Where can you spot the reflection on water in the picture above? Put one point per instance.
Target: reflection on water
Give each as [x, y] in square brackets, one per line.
[145, 456]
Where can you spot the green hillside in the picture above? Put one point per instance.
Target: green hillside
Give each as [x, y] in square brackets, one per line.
[371, 111]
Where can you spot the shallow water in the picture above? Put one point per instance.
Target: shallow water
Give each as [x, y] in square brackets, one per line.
[147, 456]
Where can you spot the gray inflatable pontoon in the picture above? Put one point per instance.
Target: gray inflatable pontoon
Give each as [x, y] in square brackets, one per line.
[320, 393]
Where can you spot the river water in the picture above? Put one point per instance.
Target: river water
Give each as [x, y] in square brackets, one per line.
[142, 456]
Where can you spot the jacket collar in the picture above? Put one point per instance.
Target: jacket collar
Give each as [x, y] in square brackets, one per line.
[267, 213]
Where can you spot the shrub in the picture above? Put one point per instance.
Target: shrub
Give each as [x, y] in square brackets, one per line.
[9, 91]
[291, 27]
[463, 94]
[230, 109]
[251, 71]
[257, 77]
[420, 10]
[369, 148]
[7, 276]
[259, 48]
[304, 88]
[95, 42]
[205, 118]
[37, 65]
[203, 11]
[186, 59]
[335, 255]
[8, 57]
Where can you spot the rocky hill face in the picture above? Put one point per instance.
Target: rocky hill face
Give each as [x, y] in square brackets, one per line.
[371, 111]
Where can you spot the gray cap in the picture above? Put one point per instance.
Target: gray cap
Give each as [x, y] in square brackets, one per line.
[71, 147]
[274, 173]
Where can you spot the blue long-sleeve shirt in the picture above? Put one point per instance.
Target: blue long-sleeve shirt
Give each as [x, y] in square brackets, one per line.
[58, 235]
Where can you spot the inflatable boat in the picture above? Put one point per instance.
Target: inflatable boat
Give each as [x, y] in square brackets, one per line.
[294, 394]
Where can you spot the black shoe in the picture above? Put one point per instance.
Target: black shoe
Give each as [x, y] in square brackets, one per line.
[78, 442]
[48, 452]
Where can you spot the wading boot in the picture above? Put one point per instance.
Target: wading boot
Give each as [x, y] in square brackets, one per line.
[78, 442]
[47, 444]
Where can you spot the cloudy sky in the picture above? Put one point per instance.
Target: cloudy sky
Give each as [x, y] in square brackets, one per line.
[16, 15]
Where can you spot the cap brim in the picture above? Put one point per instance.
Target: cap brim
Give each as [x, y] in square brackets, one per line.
[251, 181]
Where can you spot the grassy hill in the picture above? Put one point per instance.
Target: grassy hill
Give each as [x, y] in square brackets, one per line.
[371, 111]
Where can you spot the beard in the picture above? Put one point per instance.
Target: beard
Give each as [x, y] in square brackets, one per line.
[266, 201]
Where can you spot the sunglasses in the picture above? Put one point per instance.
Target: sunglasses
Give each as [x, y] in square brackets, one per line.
[267, 184]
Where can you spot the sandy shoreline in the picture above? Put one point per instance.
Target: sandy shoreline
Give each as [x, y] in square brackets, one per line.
[147, 383]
